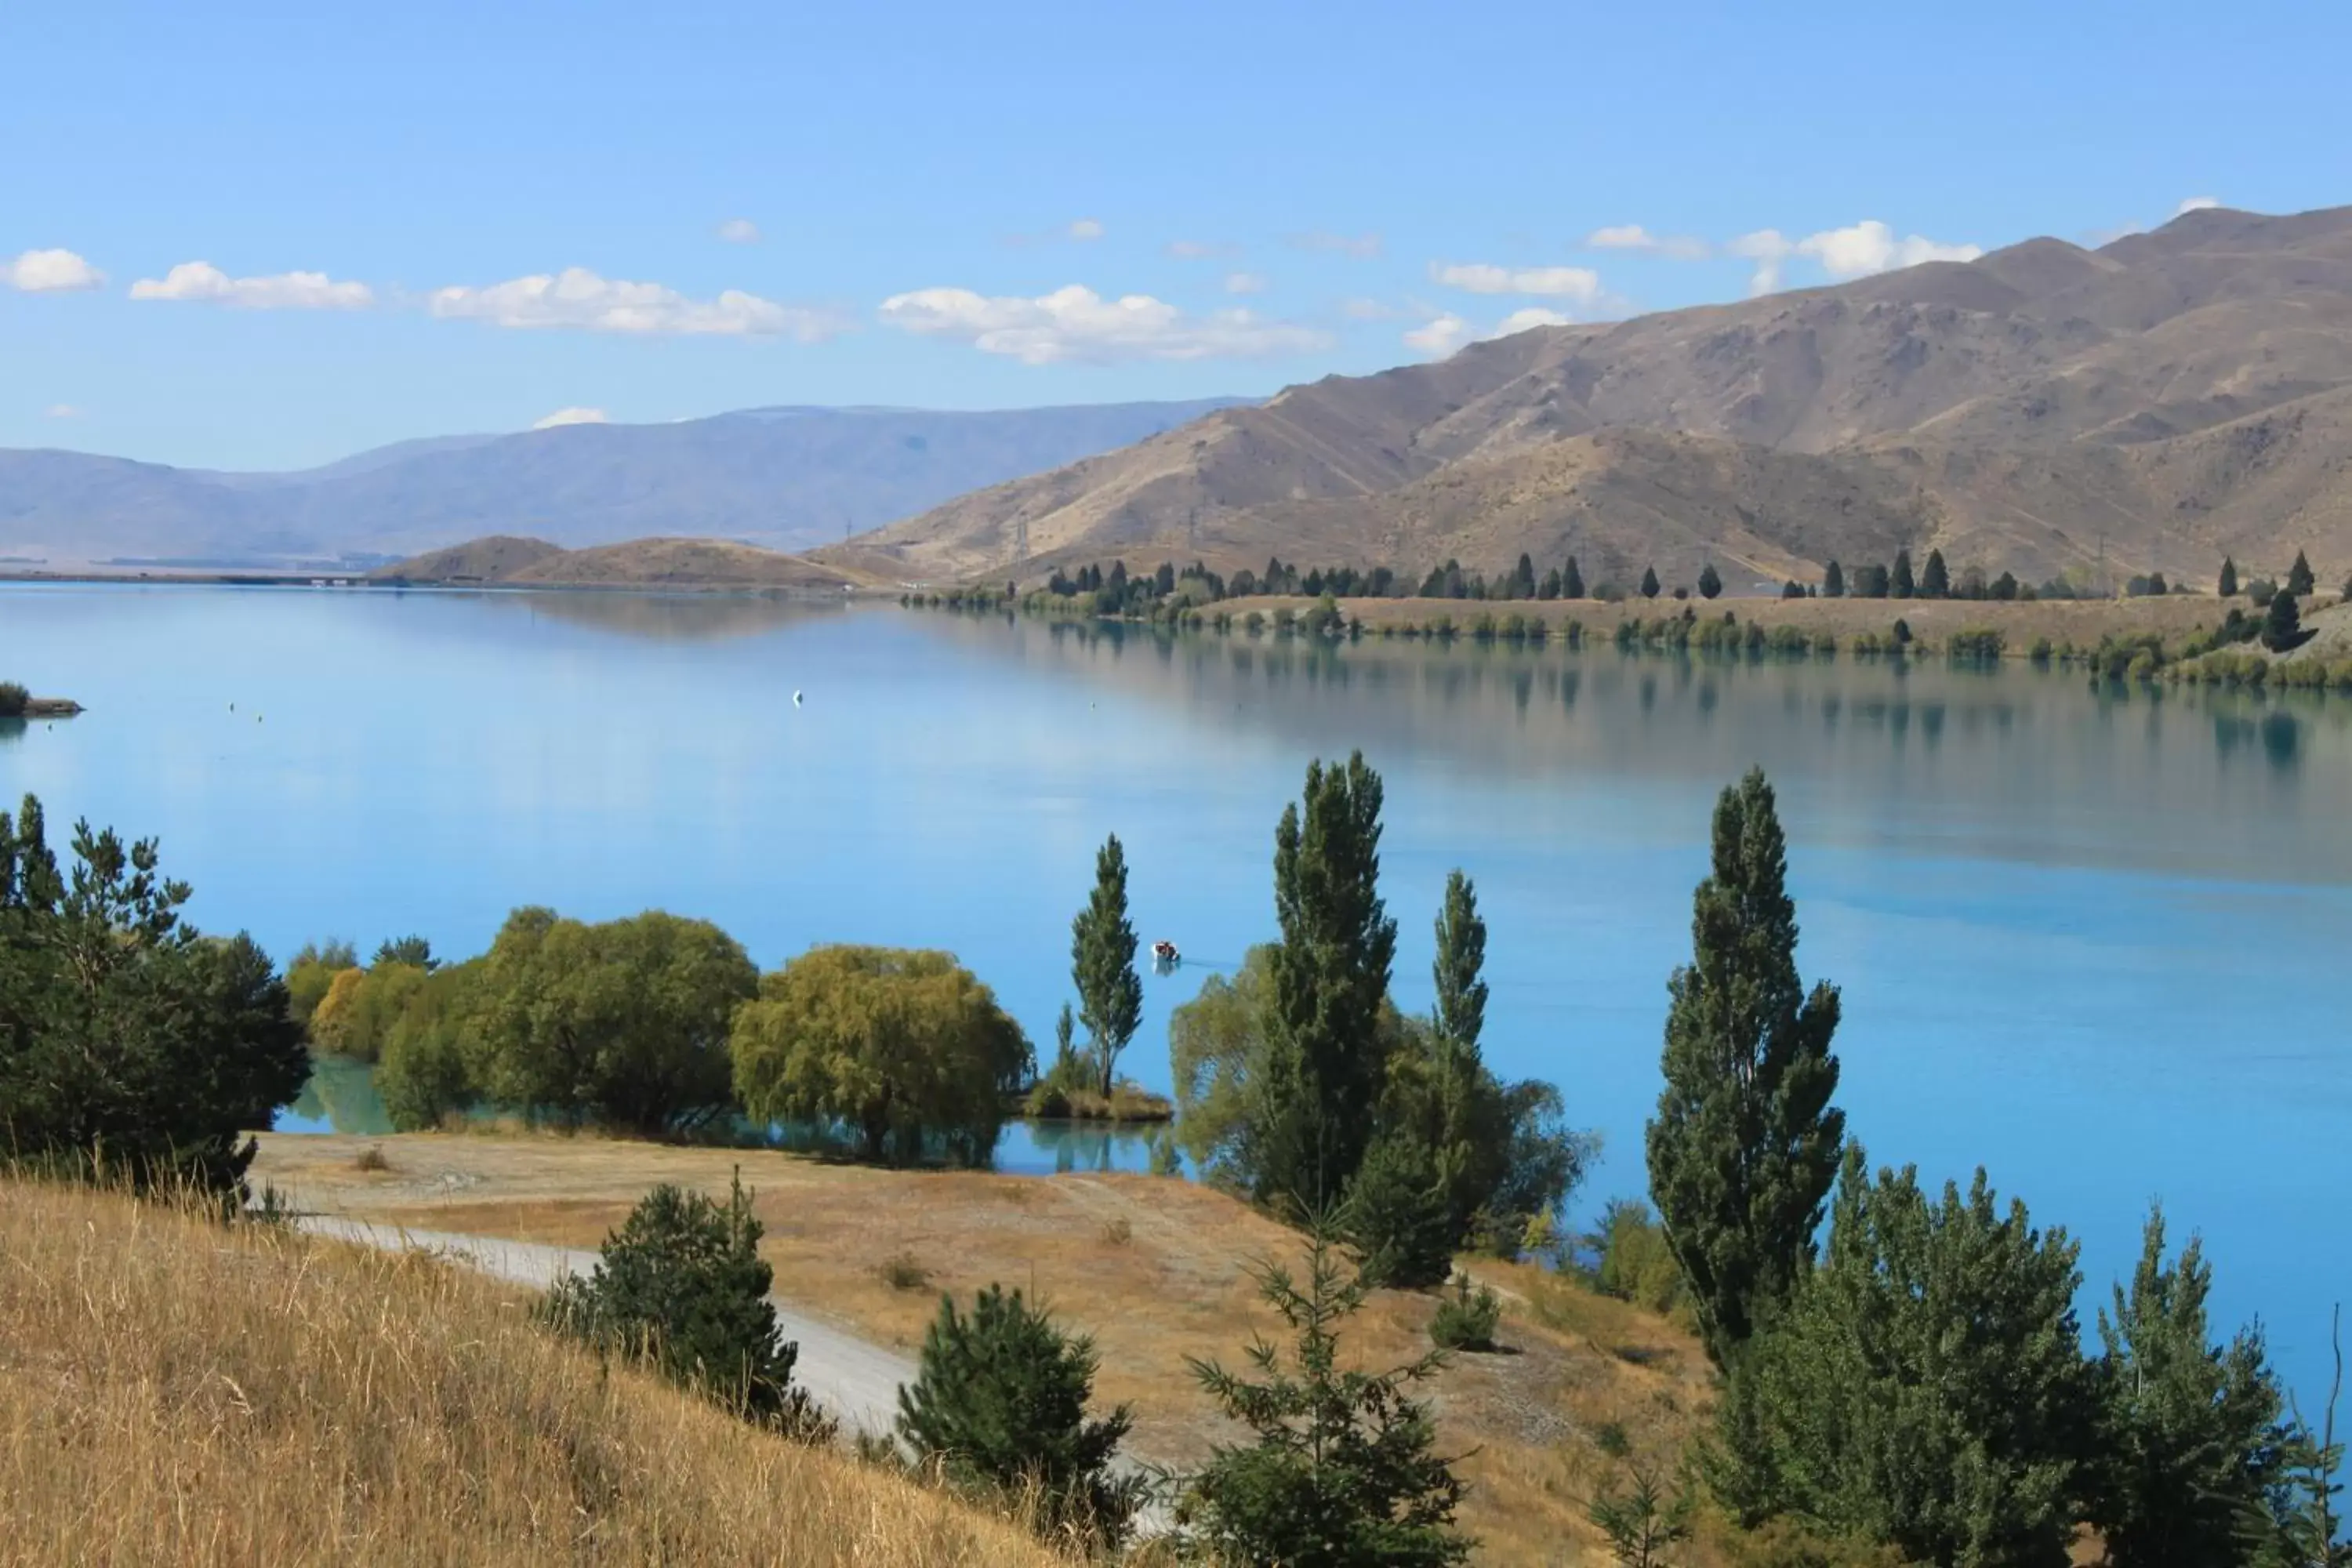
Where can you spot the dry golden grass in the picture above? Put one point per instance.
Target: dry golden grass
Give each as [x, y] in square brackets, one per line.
[175, 1391]
[1155, 1268]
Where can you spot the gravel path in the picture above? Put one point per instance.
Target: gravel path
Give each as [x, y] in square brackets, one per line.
[855, 1381]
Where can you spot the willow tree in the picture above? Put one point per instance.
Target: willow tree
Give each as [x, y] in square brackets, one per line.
[1745, 1144]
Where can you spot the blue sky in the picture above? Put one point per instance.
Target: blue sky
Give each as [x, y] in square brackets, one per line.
[439, 217]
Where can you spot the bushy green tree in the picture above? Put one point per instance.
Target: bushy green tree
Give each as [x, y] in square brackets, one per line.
[1000, 1402]
[1215, 1041]
[2194, 1442]
[132, 1049]
[1396, 1215]
[1833, 582]
[2299, 578]
[1745, 1143]
[1934, 580]
[1634, 1264]
[681, 1285]
[355, 1017]
[310, 971]
[1925, 1386]
[1343, 1471]
[412, 951]
[425, 1074]
[622, 1023]
[1710, 581]
[2282, 623]
[1325, 1066]
[1102, 965]
[905, 1047]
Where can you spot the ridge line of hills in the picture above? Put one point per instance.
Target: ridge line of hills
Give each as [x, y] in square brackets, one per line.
[2150, 404]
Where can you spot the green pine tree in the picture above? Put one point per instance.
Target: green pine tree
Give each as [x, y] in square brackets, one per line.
[1923, 1388]
[1523, 578]
[1902, 587]
[1571, 582]
[1745, 1143]
[2299, 579]
[1833, 582]
[1396, 1215]
[1343, 1472]
[1326, 1051]
[999, 1403]
[682, 1285]
[1649, 582]
[2282, 623]
[1710, 582]
[2229, 585]
[1102, 965]
[1935, 583]
[2194, 1439]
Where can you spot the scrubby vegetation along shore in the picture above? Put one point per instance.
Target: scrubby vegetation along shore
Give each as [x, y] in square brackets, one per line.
[2172, 628]
[176, 1393]
[16, 702]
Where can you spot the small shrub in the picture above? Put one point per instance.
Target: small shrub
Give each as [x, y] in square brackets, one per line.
[999, 1405]
[904, 1271]
[371, 1159]
[1466, 1319]
[1118, 1232]
[1610, 1438]
[681, 1285]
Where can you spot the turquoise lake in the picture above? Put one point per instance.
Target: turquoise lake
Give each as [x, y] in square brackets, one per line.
[2095, 942]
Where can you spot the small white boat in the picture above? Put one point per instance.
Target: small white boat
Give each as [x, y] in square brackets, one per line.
[796, 699]
[1164, 951]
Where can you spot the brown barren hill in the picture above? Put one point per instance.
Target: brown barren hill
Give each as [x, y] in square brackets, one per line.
[2151, 404]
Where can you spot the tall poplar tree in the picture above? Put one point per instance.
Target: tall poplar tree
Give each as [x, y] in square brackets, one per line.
[1745, 1144]
[1461, 956]
[2228, 583]
[1935, 581]
[1901, 584]
[1326, 1057]
[1571, 582]
[1833, 582]
[1102, 964]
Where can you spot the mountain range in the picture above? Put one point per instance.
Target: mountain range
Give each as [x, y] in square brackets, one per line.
[786, 478]
[2154, 403]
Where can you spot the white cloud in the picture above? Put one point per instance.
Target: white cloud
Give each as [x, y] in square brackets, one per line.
[1362, 246]
[1076, 325]
[579, 298]
[1245, 282]
[60, 411]
[1769, 250]
[563, 417]
[1200, 250]
[1579, 283]
[1085, 229]
[1363, 310]
[1532, 317]
[740, 231]
[1440, 335]
[2196, 204]
[1635, 238]
[1446, 331]
[282, 291]
[49, 272]
[1857, 251]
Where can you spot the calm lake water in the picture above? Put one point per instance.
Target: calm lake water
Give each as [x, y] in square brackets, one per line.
[2095, 942]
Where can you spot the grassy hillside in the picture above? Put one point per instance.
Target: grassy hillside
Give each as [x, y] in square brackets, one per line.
[174, 1393]
[1156, 1269]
